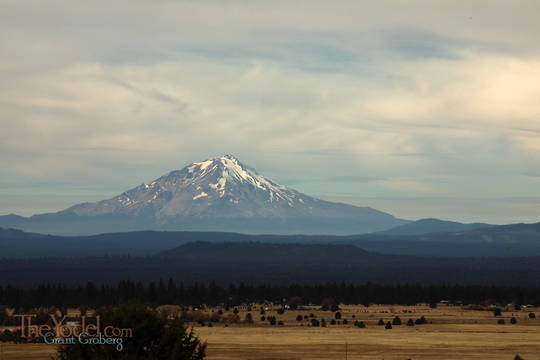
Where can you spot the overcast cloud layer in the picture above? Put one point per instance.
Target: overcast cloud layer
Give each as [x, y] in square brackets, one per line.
[418, 108]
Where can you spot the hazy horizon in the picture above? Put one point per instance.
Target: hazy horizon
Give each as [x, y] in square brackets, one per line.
[419, 109]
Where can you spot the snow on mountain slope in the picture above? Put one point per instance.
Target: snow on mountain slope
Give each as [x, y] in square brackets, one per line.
[204, 188]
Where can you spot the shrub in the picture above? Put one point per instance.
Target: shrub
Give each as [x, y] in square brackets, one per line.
[281, 311]
[531, 316]
[517, 357]
[295, 302]
[334, 308]
[513, 320]
[420, 321]
[327, 303]
[323, 323]
[315, 322]
[500, 321]
[396, 321]
[361, 325]
[249, 318]
[388, 325]
[333, 322]
[263, 318]
[262, 310]
[381, 322]
[299, 318]
[235, 311]
[410, 322]
[433, 305]
[280, 323]
[345, 322]
[337, 315]
[497, 312]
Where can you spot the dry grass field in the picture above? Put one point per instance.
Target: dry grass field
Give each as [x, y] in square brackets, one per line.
[451, 333]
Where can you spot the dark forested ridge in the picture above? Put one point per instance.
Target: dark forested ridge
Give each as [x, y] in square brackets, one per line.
[212, 294]
[257, 263]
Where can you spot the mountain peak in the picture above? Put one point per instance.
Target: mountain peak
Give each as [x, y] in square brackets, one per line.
[222, 193]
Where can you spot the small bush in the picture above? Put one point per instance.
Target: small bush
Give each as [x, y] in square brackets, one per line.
[500, 321]
[361, 325]
[513, 320]
[396, 321]
[497, 312]
[337, 315]
[410, 322]
[531, 316]
[299, 318]
[381, 322]
[388, 325]
[315, 322]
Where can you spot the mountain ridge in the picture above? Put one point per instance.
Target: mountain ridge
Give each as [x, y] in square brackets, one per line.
[432, 225]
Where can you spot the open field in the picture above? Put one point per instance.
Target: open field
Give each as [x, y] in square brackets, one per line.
[454, 333]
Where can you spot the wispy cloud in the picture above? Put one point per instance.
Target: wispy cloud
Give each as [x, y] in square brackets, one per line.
[383, 98]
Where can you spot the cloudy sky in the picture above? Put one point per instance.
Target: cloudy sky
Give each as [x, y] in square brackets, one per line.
[419, 108]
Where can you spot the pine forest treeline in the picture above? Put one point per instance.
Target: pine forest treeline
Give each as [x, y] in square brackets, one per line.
[210, 294]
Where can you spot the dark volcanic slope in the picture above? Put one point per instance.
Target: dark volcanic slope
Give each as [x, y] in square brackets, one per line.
[264, 252]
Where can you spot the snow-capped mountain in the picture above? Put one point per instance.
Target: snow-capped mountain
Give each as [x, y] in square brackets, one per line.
[219, 194]
[220, 186]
